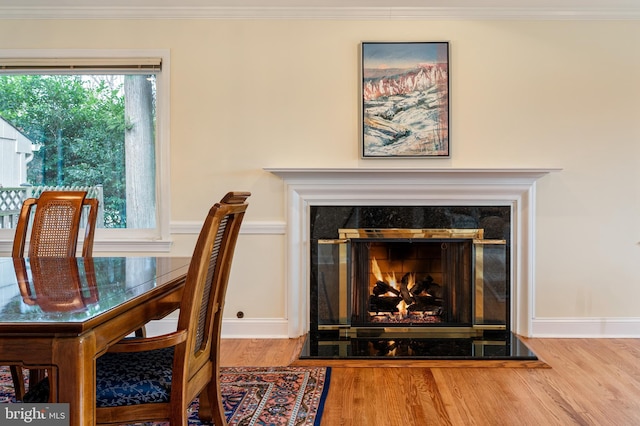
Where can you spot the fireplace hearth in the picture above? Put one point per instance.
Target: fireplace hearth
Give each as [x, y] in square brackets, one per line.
[385, 343]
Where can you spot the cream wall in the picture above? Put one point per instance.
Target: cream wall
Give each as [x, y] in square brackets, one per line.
[252, 94]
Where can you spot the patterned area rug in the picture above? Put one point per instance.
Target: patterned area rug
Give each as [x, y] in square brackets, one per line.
[271, 396]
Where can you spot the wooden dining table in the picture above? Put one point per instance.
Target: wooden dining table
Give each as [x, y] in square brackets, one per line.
[63, 325]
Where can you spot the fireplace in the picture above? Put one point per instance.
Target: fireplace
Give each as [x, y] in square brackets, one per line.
[411, 277]
[443, 274]
[433, 199]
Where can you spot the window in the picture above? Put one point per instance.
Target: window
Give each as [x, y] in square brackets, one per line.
[89, 119]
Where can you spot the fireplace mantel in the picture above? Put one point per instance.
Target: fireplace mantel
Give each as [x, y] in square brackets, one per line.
[386, 173]
[513, 187]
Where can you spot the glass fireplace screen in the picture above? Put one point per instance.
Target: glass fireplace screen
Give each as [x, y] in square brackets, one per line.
[412, 278]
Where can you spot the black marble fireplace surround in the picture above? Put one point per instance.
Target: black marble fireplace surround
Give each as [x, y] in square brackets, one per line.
[459, 339]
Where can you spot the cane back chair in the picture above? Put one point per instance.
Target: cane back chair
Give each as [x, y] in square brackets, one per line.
[55, 224]
[156, 378]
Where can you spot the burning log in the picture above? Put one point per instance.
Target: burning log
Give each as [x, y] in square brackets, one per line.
[419, 287]
[435, 290]
[427, 287]
[406, 300]
[404, 289]
[383, 304]
[381, 288]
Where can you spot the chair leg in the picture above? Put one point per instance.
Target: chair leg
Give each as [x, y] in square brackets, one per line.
[18, 381]
[210, 404]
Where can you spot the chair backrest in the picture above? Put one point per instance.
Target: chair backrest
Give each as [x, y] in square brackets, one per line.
[56, 225]
[203, 300]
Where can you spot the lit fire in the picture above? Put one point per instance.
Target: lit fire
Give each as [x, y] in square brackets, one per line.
[410, 301]
[393, 282]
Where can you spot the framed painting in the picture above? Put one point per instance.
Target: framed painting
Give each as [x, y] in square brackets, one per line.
[405, 99]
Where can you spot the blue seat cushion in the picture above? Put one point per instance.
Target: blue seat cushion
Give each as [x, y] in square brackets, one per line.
[131, 378]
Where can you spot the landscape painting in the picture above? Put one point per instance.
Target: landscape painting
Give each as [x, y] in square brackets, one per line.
[405, 99]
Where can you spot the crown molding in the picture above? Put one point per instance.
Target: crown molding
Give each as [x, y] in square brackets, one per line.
[319, 13]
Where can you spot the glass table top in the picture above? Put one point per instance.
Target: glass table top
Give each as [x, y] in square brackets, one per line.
[74, 290]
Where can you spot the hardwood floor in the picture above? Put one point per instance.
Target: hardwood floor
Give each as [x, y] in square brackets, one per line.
[589, 382]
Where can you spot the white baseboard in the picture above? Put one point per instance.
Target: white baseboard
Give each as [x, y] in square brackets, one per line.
[586, 327]
[258, 328]
[276, 328]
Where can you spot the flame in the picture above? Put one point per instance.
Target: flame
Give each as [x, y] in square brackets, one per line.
[411, 280]
[398, 289]
[376, 269]
[402, 306]
[391, 279]
[402, 309]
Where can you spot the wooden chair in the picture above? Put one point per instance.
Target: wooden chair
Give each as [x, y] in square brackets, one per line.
[55, 225]
[157, 378]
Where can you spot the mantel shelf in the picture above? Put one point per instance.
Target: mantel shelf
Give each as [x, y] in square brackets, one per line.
[386, 173]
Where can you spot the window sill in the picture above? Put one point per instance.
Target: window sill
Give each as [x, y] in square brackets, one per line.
[112, 246]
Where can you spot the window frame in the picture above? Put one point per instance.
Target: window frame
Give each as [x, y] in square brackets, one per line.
[123, 240]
